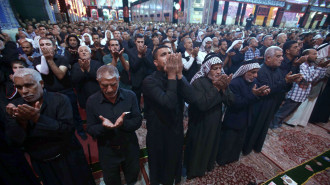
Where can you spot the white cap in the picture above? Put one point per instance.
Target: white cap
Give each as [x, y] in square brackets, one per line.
[318, 36]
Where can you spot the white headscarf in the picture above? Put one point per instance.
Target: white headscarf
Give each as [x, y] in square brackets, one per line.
[245, 68]
[104, 41]
[199, 36]
[207, 39]
[90, 38]
[233, 44]
[206, 67]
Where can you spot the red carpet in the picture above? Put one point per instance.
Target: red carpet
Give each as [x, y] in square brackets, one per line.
[284, 149]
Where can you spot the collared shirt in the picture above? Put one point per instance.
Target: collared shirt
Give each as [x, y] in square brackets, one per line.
[31, 35]
[28, 62]
[249, 54]
[97, 105]
[301, 90]
[52, 83]
[188, 60]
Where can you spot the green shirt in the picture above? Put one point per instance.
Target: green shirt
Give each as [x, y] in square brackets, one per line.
[107, 59]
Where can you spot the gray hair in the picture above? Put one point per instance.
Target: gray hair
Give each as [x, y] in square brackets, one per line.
[270, 52]
[27, 71]
[107, 72]
[89, 49]
[250, 40]
[280, 35]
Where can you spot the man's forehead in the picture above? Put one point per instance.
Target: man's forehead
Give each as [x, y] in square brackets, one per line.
[25, 79]
[163, 50]
[45, 41]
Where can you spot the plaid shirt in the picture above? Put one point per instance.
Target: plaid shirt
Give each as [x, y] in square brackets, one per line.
[301, 90]
[250, 55]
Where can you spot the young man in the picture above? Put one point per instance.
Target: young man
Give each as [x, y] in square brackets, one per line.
[120, 60]
[164, 93]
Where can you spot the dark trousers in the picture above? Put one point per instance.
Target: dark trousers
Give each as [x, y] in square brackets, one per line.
[285, 110]
[112, 158]
[138, 92]
[76, 116]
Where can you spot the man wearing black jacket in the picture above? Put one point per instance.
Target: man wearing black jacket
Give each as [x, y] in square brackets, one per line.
[141, 64]
[165, 91]
[41, 122]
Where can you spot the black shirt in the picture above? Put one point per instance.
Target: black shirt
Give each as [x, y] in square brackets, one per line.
[97, 105]
[85, 82]
[51, 135]
[249, 22]
[52, 83]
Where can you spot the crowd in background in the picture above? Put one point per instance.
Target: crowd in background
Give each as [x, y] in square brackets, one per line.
[233, 83]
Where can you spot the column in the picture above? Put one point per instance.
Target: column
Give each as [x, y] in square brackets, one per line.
[265, 18]
[125, 11]
[242, 15]
[278, 17]
[175, 12]
[238, 13]
[312, 21]
[303, 20]
[215, 12]
[225, 12]
[326, 23]
[255, 13]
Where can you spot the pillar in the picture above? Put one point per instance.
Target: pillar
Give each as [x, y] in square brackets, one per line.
[278, 17]
[242, 14]
[239, 9]
[215, 12]
[304, 18]
[225, 12]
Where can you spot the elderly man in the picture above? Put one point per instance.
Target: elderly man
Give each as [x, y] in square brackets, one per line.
[120, 60]
[236, 56]
[55, 74]
[205, 116]
[205, 48]
[301, 90]
[113, 115]
[41, 122]
[190, 59]
[83, 75]
[265, 109]
[237, 117]
[267, 41]
[165, 91]
[281, 39]
[253, 52]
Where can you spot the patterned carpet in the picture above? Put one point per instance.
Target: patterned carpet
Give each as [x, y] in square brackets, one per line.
[284, 149]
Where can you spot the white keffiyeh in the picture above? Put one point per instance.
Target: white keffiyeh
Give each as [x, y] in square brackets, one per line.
[245, 68]
[90, 39]
[234, 43]
[206, 67]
